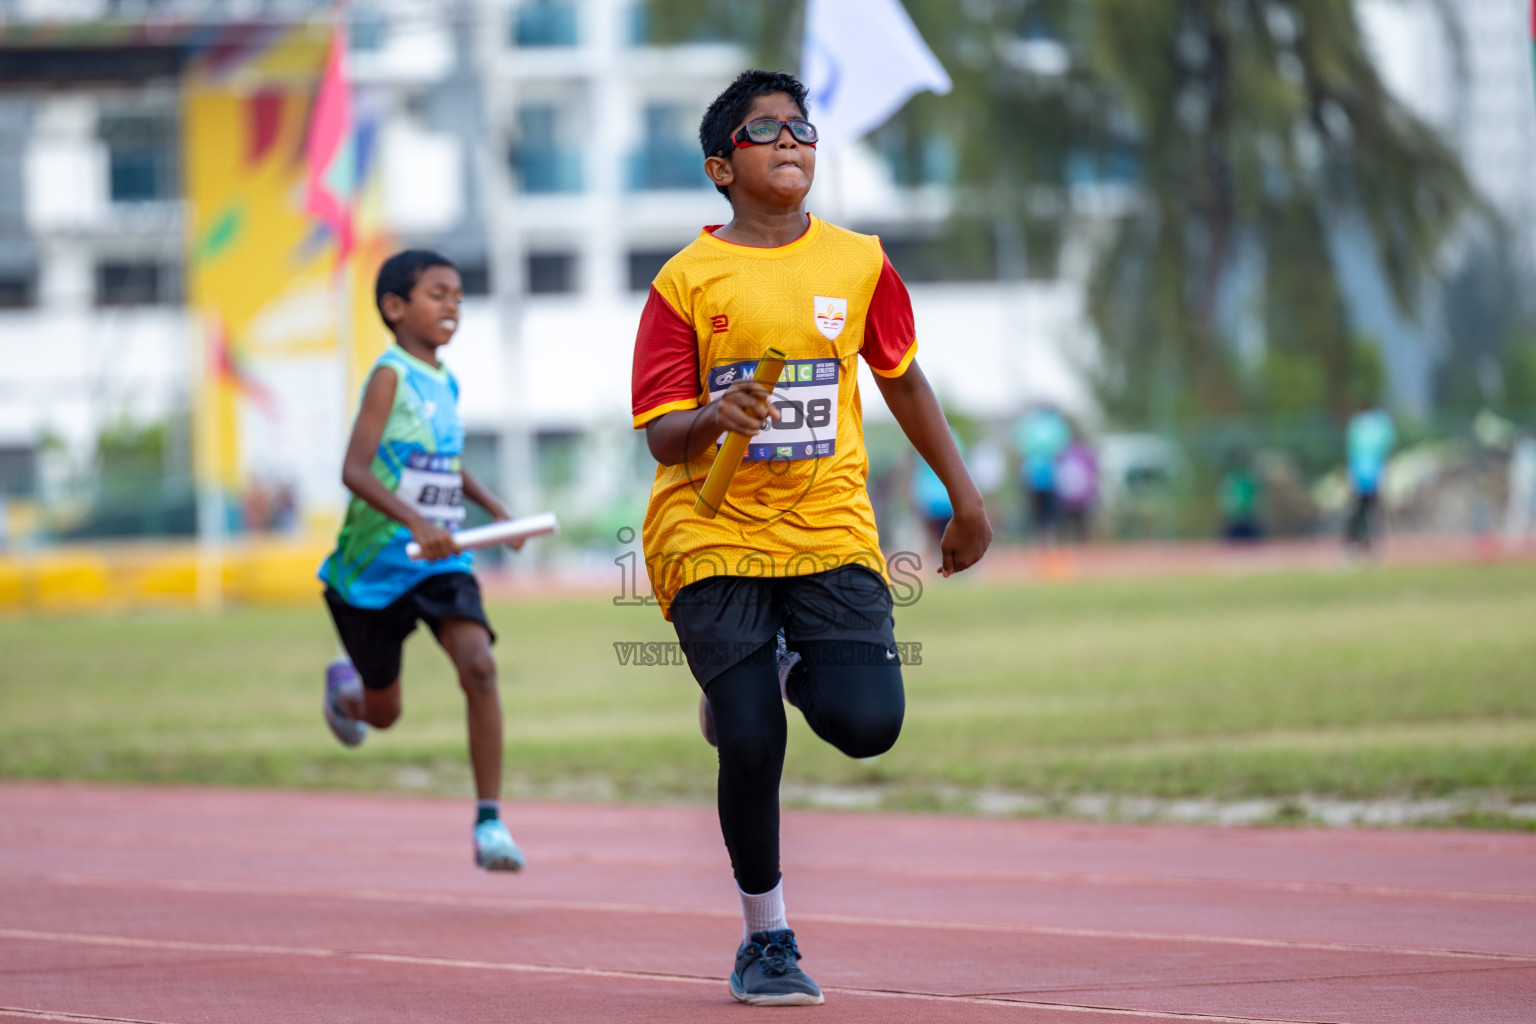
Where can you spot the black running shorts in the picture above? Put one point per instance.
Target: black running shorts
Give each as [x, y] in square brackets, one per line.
[375, 637]
[721, 620]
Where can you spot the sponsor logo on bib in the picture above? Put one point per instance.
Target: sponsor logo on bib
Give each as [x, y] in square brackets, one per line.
[831, 315]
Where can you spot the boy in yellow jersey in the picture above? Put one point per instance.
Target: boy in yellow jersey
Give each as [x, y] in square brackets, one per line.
[794, 546]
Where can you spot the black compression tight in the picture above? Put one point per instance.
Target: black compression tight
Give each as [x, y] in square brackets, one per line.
[857, 707]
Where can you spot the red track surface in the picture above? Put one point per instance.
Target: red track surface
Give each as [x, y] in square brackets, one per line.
[181, 905]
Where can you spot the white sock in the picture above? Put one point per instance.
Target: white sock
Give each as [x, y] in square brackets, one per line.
[763, 912]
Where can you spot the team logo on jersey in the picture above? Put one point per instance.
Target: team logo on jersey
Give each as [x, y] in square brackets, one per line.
[831, 315]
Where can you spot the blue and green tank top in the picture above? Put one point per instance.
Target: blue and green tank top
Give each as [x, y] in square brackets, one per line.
[419, 458]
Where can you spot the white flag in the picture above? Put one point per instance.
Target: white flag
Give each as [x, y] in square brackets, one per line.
[862, 60]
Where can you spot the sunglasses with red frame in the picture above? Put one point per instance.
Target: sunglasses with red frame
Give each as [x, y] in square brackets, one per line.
[766, 130]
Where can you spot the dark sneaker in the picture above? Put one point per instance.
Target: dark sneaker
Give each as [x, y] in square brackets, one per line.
[707, 721]
[768, 973]
[787, 659]
[341, 679]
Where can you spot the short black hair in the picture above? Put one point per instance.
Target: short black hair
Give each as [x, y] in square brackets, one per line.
[400, 273]
[732, 105]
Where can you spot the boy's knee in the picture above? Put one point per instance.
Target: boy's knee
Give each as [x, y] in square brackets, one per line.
[477, 671]
[871, 735]
[381, 714]
[857, 706]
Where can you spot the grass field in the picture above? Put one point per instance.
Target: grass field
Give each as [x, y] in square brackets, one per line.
[1384, 684]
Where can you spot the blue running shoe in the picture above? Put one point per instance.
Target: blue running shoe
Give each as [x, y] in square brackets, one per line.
[494, 848]
[768, 973]
[341, 679]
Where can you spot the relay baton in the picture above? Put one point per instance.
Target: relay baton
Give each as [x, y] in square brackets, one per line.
[729, 456]
[491, 534]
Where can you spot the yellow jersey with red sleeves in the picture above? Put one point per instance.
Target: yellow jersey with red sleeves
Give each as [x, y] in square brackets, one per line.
[797, 504]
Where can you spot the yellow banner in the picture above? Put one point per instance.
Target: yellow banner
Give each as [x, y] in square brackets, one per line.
[282, 333]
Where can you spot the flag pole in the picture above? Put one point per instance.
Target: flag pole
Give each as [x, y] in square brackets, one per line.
[519, 483]
[208, 469]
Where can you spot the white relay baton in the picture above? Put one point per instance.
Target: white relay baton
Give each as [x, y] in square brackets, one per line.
[492, 534]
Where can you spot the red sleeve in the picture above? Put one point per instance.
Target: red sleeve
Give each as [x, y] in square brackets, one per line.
[890, 336]
[666, 371]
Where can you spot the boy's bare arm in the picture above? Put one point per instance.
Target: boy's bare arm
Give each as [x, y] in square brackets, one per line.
[477, 492]
[357, 468]
[917, 411]
[684, 434]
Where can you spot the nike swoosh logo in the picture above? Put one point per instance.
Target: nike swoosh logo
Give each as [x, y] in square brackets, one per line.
[890, 655]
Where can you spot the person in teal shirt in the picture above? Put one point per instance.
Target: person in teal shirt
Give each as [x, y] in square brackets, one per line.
[1369, 439]
[404, 467]
[1042, 435]
[930, 498]
[1239, 494]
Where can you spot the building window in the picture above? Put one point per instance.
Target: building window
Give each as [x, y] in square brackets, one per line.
[551, 273]
[955, 256]
[125, 283]
[714, 21]
[669, 157]
[545, 164]
[476, 278]
[18, 471]
[915, 159]
[18, 289]
[559, 453]
[545, 23]
[142, 157]
[645, 264]
[367, 30]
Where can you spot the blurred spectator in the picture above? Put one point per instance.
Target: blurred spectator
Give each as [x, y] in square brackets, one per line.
[1238, 497]
[988, 464]
[1521, 503]
[285, 511]
[930, 499]
[267, 507]
[255, 507]
[1042, 435]
[1077, 486]
[1370, 439]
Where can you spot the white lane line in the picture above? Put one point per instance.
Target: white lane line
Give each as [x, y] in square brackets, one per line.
[129, 942]
[1000, 875]
[482, 902]
[72, 1018]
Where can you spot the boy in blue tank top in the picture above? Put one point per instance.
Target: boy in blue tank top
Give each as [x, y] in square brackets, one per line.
[404, 468]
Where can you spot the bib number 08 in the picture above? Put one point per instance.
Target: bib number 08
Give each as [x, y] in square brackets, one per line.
[794, 415]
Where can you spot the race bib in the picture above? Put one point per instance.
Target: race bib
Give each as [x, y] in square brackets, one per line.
[433, 486]
[806, 400]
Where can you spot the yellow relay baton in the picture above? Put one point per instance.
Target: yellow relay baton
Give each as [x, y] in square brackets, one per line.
[729, 456]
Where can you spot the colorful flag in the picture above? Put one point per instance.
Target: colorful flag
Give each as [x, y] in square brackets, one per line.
[232, 370]
[862, 60]
[330, 150]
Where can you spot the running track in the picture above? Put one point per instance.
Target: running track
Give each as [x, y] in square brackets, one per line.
[183, 905]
